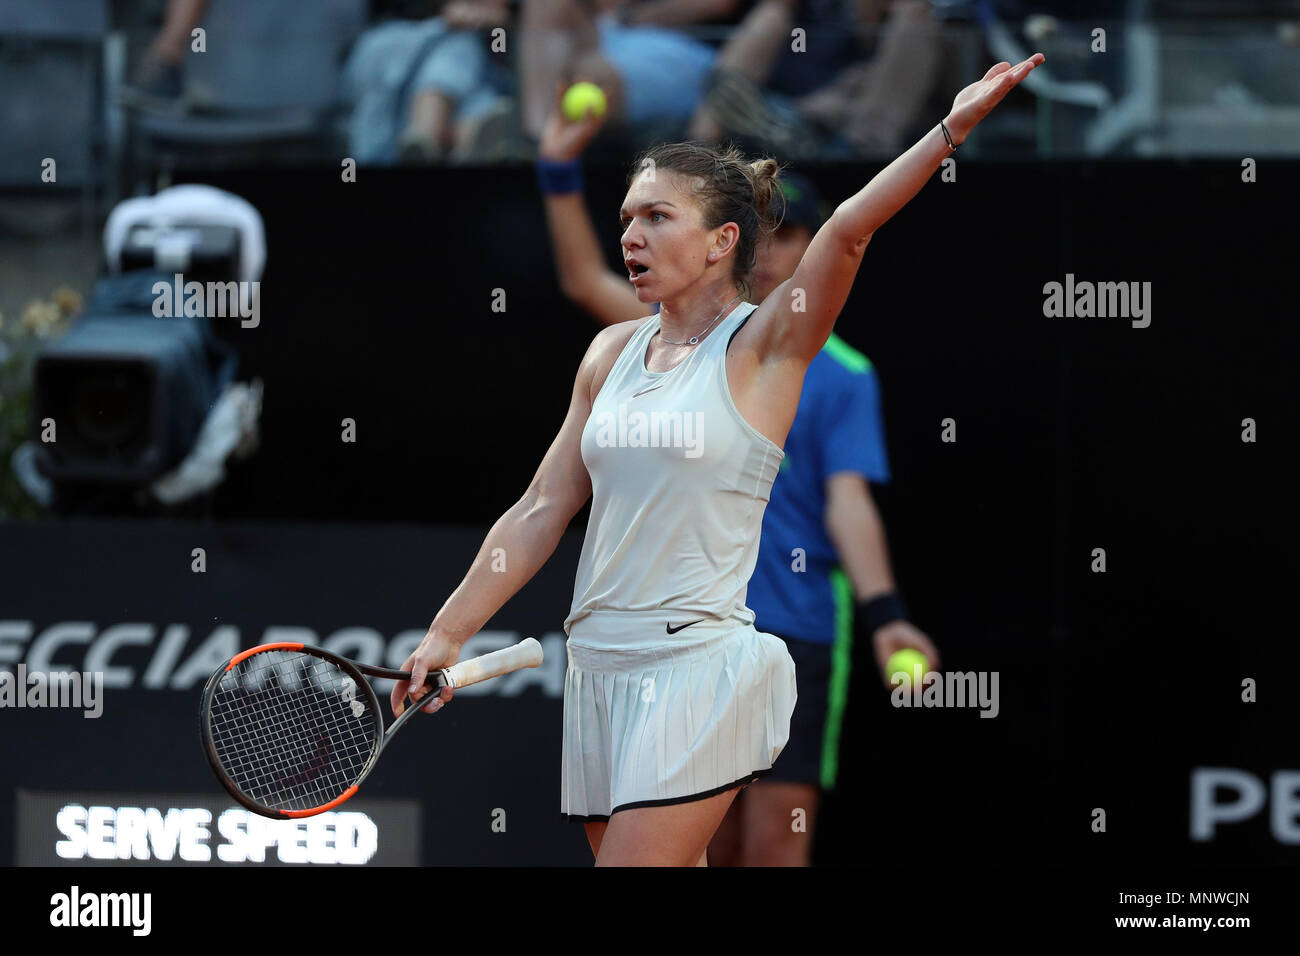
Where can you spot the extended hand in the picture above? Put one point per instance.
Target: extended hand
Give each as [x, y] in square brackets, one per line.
[897, 635]
[977, 100]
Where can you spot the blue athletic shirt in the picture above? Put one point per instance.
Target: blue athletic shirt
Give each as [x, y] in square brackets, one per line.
[837, 427]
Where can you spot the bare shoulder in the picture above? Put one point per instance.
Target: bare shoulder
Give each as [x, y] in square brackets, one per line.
[604, 351]
[617, 335]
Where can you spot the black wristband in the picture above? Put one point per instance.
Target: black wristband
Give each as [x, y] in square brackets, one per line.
[874, 614]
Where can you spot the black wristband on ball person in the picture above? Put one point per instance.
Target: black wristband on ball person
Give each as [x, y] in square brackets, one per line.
[874, 614]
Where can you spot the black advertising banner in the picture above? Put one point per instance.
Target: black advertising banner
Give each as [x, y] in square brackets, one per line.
[132, 616]
[136, 615]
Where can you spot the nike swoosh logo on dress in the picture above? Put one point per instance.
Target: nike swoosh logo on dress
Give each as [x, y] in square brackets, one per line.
[674, 630]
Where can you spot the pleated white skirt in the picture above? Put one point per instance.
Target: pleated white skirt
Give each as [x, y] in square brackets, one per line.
[651, 724]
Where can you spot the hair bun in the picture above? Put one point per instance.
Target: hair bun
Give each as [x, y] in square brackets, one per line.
[765, 174]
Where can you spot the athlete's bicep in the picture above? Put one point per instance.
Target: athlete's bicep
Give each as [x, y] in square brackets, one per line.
[796, 319]
[561, 481]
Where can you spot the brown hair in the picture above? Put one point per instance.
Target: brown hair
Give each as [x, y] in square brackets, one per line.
[734, 189]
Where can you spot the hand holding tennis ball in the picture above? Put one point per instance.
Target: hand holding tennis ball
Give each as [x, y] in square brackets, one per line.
[907, 661]
[888, 640]
[563, 137]
[583, 98]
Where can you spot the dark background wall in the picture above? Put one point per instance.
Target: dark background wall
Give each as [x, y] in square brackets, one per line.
[378, 305]
[1072, 434]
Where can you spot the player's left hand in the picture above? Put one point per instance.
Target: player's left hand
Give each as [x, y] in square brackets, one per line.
[897, 635]
[977, 100]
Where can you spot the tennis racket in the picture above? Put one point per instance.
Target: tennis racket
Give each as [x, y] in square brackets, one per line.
[291, 730]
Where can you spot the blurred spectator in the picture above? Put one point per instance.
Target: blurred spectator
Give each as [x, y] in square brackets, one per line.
[830, 99]
[429, 89]
[159, 79]
[641, 53]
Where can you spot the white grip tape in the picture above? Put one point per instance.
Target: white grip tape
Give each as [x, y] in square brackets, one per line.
[527, 653]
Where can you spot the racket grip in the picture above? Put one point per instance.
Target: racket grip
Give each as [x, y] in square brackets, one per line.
[527, 653]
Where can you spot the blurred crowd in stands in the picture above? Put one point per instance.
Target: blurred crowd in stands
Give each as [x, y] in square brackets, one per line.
[438, 80]
[434, 81]
[448, 80]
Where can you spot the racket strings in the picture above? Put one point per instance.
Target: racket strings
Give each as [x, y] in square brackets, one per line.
[291, 730]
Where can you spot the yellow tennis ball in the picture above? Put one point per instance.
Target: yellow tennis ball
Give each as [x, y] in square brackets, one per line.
[907, 661]
[581, 99]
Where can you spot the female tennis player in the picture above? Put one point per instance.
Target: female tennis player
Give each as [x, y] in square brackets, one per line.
[673, 700]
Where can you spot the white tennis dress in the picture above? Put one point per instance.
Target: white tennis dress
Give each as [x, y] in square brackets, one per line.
[671, 694]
